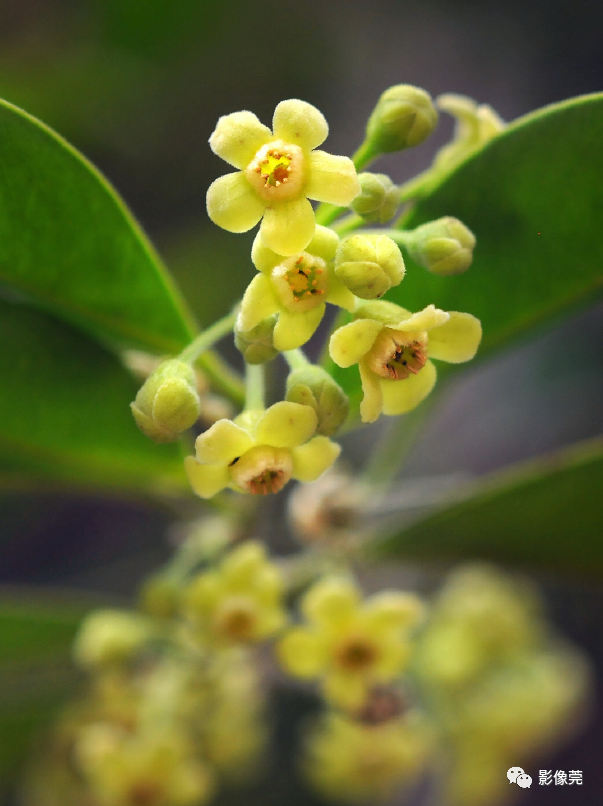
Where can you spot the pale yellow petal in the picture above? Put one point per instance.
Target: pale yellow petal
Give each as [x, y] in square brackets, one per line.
[237, 137]
[288, 227]
[372, 401]
[338, 294]
[259, 301]
[331, 179]
[286, 425]
[243, 564]
[312, 459]
[332, 601]
[457, 339]
[294, 329]
[222, 443]
[206, 480]
[423, 320]
[393, 658]
[347, 690]
[351, 342]
[263, 259]
[324, 243]
[402, 396]
[301, 653]
[300, 123]
[233, 204]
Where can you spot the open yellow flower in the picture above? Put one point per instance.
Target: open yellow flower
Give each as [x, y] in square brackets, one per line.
[392, 348]
[352, 646]
[240, 602]
[260, 451]
[278, 172]
[296, 287]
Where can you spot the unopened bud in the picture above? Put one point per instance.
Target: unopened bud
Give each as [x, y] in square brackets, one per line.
[443, 247]
[256, 345]
[378, 200]
[369, 265]
[313, 386]
[168, 402]
[110, 636]
[404, 117]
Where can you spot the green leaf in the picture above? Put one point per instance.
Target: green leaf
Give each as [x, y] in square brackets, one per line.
[64, 411]
[35, 671]
[545, 513]
[534, 199]
[69, 245]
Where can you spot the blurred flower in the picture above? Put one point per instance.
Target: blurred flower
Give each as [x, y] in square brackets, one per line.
[476, 124]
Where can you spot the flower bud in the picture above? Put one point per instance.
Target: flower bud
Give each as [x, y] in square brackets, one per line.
[313, 386]
[110, 636]
[256, 345]
[369, 265]
[404, 117]
[168, 402]
[378, 200]
[443, 247]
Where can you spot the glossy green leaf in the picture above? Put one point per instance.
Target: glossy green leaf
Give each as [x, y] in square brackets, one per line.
[69, 245]
[544, 513]
[64, 411]
[534, 199]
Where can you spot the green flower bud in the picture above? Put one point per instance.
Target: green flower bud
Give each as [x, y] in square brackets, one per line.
[404, 117]
[110, 636]
[378, 200]
[313, 386]
[257, 345]
[369, 265]
[443, 247]
[168, 402]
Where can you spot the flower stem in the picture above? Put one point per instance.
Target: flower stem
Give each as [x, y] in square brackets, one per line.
[348, 224]
[254, 386]
[327, 213]
[416, 187]
[208, 337]
[296, 359]
[364, 155]
[401, 237]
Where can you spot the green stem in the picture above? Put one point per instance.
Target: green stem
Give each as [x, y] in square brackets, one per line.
[416, 187]
[401, 237]
[296, 359]
[348, 224]
[208, 338]
[364, 155]
[222, 376]
[327, 213]
[254, 387]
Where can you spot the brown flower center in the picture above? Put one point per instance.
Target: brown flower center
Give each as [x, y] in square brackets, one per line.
[397, 355]
[236, 619]
[262, 470]
[300, 282]
[356, 654]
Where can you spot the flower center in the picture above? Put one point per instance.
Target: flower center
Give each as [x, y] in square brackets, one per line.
[277, 171]
[397, 355]
[262, 470]
[236, 619]
[356, 654]
[145, 793]
[300, 282]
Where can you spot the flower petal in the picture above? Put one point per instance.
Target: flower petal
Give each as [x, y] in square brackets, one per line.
[286, 425]
[372, 402]
[300, 123]
[222, 443]
[259, 301]
[393, 609]
[206, 480]
[457, 339]
[312, 459]
[402, 396]
[288, 227]
[233, 204]
[345, 689]
[294, 329]
[301, 652]
[237, 137]
[392, 659]
[423, 320]
[243, 564]
[263, 259]
[331, 179]
[331, 602]
[338, 294]
[324, 243]
[351, 342]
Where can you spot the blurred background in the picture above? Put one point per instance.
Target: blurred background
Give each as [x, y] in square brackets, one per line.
[138, 87]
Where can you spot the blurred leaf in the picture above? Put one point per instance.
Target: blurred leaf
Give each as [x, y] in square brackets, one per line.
[545, 513]
[534, 199]
[69, 245]
[35, 669]
[64, 411]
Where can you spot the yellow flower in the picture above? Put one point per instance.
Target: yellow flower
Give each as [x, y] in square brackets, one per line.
[297, 288]
[240, 601]
[350, 645]
[260, 451]
[278, 172]
[351, 761]
[392, 348]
